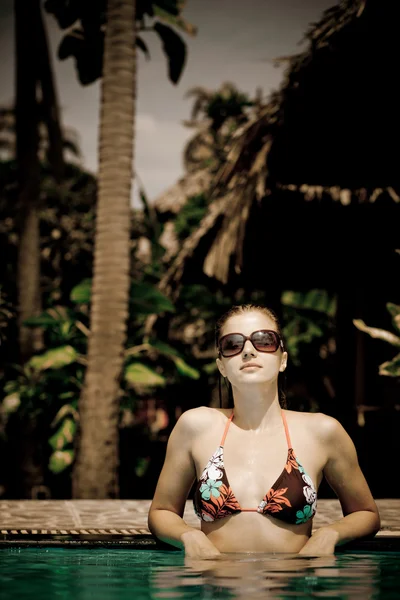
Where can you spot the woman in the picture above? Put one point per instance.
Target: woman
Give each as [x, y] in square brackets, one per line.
[275, 460]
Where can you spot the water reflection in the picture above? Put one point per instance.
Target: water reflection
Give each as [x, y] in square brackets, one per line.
[83, 574]
[241, 576]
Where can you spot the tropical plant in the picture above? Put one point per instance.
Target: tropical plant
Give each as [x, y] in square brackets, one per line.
[47, 388]
[216, 115]
[390, 368]
[308, 317]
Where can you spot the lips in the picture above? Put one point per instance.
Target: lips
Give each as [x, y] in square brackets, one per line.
[247, 365]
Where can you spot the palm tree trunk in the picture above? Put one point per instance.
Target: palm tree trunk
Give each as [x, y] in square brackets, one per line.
[28, 268]
[26, 117]
[49, 104]
[95, 471]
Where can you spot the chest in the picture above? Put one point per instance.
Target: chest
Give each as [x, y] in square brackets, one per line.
[253, 461]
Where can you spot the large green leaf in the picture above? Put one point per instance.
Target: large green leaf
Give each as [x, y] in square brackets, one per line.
[380, 334]
[60, 460]
[175, 49]
[394, 310]
[165, 349]
[139, 374]
[210, 368]
[300, 330]
[184, 369]
[318, 300]
[146, 299]
[54, 359]
[142, 464]
[81, 293]
[391, 367]
[43, 320]
[64, 435]
[66, 410]
[175, 19]
[10, 403]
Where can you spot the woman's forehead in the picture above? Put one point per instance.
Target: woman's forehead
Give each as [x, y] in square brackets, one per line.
[248, 322]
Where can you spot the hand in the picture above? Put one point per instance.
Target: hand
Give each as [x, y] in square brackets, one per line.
[197, 545]
[321, 543]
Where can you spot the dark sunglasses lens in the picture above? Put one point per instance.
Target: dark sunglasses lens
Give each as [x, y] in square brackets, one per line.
[265, 341]
[231, 344]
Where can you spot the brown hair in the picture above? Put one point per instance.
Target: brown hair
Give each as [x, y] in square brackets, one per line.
[238, 310]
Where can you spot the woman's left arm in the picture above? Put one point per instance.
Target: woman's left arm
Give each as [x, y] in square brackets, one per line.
[343, 473]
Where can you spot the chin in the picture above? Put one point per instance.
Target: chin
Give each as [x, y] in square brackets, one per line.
[254, 378]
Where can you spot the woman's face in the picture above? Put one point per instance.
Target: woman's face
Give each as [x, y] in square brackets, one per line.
[251, 366]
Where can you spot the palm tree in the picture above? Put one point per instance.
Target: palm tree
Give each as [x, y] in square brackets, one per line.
[95, 470]
[95, 473]
[33, 70]
[27, 123]
[216, 115]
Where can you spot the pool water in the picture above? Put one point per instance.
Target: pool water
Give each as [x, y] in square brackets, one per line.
[100, 573]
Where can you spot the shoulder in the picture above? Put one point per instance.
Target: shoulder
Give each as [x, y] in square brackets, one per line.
[196, 420]
[323, 427]
[332, 442]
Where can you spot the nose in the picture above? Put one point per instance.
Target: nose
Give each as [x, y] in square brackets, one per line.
[249, 350]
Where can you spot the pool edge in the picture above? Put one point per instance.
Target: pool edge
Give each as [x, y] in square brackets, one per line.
[385, 543]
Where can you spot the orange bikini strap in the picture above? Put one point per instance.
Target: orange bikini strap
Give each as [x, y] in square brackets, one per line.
[289, 443]
[226, 429]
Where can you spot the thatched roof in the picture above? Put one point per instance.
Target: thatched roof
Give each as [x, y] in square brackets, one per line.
[329, 132]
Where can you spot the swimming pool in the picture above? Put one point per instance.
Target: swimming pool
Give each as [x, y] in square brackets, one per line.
[102, 573]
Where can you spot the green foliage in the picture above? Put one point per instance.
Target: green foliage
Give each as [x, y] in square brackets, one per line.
[7, 314]
[216, 115]
[316, 300]
[182, 367]
[64, 435]
[140, 375]
[189, 217]
[227, 104]
[308, 319]
[56, 358]
[48, 386]
[60, 460]
[394, 310]
[81, 292]
[390, 368]
[173, 17]
[146, 299]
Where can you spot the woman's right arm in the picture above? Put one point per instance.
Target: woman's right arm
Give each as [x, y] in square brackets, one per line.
[178, 473]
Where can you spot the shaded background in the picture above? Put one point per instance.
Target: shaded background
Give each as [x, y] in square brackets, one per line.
[310, 229]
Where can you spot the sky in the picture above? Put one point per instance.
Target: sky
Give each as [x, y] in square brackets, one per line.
[237, 41]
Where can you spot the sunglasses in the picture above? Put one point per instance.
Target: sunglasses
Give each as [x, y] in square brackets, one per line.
[263, 340]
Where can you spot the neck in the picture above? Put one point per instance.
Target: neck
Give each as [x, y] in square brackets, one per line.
[257, 407]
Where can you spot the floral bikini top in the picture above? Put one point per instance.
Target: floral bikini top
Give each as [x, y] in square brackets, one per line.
[292, 498]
